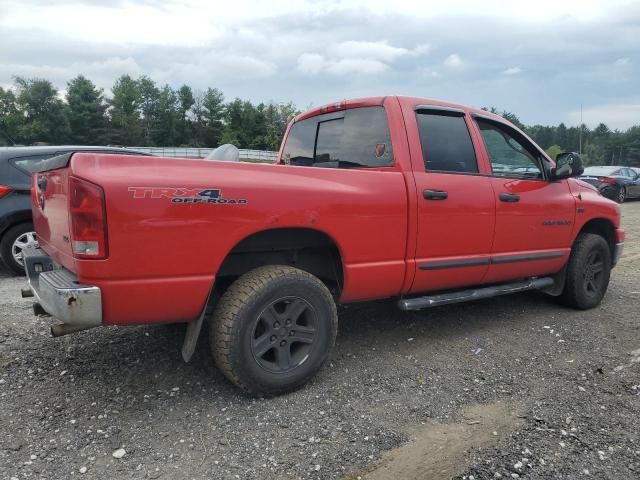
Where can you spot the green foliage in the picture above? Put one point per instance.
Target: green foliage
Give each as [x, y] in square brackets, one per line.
[45, 115]
[125, 111]
[185, 102]
[140, 113]
[86, 112]
[10, 117]
[149, 96]
[212, 118]
[167, 118]
[554, 150]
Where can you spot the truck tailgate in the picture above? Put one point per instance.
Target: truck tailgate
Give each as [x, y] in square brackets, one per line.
[51, 214]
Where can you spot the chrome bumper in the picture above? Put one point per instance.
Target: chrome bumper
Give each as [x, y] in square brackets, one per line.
[57, 290]
[617, 253]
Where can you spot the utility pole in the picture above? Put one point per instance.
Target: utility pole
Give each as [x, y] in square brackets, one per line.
[580, 129]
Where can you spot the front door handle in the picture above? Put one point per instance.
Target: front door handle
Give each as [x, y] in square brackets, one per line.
[435, 195]
[509, 197]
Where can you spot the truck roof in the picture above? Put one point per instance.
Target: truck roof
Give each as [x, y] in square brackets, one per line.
[377, 101]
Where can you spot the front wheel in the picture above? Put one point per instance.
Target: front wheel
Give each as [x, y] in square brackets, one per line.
[273, 329]
[622, 195]
[588, 272]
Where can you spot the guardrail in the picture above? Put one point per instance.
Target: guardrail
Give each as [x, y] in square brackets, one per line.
[188, 152]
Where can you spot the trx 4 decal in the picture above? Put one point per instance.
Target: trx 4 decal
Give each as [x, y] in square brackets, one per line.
[185, 195]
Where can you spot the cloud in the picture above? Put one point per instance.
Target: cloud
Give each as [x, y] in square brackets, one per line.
[315, 51]
[356, 57]
[102, 73]
[357, 66]
[375, 50]
[313, 63]
[453, 61]
[616, 115]
[512, 71]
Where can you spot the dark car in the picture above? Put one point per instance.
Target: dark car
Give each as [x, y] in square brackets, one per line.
[617, 183]
[16, 166]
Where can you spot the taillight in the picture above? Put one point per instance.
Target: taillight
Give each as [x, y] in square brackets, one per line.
[607, 180]
[88, 219]
[4, 190]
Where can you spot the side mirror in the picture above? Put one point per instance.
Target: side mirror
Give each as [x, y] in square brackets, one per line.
[568, 164]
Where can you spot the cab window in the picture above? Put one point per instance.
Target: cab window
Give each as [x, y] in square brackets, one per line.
[446, 143]
[356, 137]
[511, 155]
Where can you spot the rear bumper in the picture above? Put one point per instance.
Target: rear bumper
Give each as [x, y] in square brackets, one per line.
[59, 293]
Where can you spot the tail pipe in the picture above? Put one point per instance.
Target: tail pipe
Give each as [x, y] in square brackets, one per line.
[65, 329]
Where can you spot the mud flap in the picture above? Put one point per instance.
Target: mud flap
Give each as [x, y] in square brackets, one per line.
[193, 333]
[559, 279]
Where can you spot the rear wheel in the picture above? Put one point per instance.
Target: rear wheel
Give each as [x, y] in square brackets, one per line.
[622, 195]
[12, 246]
[588, 272]
[273, 329]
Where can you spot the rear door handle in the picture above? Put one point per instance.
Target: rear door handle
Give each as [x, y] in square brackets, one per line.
[509, 197]
[435, 195]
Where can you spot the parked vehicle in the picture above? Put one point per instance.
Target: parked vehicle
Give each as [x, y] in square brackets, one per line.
[16, 166]
[387, 197]
[616, 183]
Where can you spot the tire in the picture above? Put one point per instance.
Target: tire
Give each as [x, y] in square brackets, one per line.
[588, 272]
[622, 195]
[273, 329]
[12, 242]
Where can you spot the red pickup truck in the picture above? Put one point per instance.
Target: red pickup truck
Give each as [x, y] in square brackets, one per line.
[426, 202]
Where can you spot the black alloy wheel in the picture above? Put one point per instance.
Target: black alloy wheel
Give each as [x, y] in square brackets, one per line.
[283, 334]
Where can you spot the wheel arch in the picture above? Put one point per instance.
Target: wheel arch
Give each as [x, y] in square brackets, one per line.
[308, 249]
[15, 218]
[603, 227]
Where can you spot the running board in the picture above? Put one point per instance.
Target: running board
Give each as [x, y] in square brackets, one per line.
[430, 301]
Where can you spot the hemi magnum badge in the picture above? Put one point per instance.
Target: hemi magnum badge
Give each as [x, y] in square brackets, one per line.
[550, 223]
[183, 195]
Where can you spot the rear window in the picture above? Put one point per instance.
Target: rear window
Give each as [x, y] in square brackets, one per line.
[357, 137]
[601, 171]
[446, 143]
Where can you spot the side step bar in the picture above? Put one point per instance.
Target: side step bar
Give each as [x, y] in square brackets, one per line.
[430, 301]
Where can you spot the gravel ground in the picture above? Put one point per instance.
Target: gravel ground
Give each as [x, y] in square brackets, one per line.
[512, 387]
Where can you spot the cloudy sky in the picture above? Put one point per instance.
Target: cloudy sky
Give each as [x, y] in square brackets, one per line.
[539, 59]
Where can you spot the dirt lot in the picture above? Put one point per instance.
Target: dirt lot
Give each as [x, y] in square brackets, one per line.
[513, 387]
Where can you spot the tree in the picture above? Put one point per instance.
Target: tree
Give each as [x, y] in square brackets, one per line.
[125, 116]
[513, 118]
[149, 96]
[554, 150]
[198, 111]
[233, 125]
[87, 117]
[10, 118]
[45, 116]
[213, 114]
[167, 116]
[185, 102]
[277, 116]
